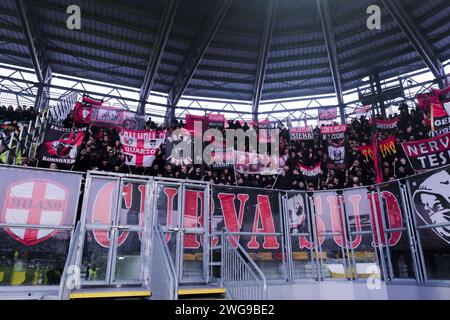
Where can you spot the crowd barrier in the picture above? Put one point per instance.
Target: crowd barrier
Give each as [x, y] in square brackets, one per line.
[397, 231]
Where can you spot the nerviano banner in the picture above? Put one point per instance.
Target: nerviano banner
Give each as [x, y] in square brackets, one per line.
[428, 154]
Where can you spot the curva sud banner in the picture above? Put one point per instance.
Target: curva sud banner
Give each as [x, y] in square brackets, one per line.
[244, 210]
[61, 145]
[38, 198]
[431, 199]
[100, 210]
[329, 220]
[428, 154]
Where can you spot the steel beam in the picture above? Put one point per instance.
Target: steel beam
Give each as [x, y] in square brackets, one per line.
[196, 53]
[37, 52]
[416, 39]
[330, 42]
[269, 24]
[157, 52]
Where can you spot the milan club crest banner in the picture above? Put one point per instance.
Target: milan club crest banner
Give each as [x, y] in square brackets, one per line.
[107, 117]
[328, 114]
[39, 198]
[244, 210]
[82, 113]
[61, 145]
[133, 121]
[302, 134]
[336, 145]
[254, 163]
[428, 154]
[431, 198]
[310, 172]
[388, 124]
[140, 152]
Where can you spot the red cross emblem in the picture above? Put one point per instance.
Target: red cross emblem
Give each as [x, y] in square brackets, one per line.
[34, 202]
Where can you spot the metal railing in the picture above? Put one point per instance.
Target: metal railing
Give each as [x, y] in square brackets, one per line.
[163, 279]
[240, 275]
[67, 285]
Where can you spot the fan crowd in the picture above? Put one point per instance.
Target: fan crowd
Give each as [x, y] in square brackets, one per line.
[101, 151]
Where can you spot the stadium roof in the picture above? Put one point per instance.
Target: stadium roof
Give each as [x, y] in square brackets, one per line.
[118, 38]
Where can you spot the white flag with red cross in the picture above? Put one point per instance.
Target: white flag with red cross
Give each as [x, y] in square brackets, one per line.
[140, 152]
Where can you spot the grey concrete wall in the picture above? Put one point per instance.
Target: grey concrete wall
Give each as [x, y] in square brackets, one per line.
[334, 290]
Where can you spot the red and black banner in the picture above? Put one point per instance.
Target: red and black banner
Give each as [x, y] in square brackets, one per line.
[107, 117]
[61, 145]
[326, 114]
[385, 125]
[310, 171]
[82, 113]
[191, 121]
[436, 104]
[428, 154]
[367, 153]
[91, 101]
[336, 139]
[216, 121]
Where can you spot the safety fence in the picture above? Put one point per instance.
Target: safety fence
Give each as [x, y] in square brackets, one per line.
[23, 142]
[396, 231]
